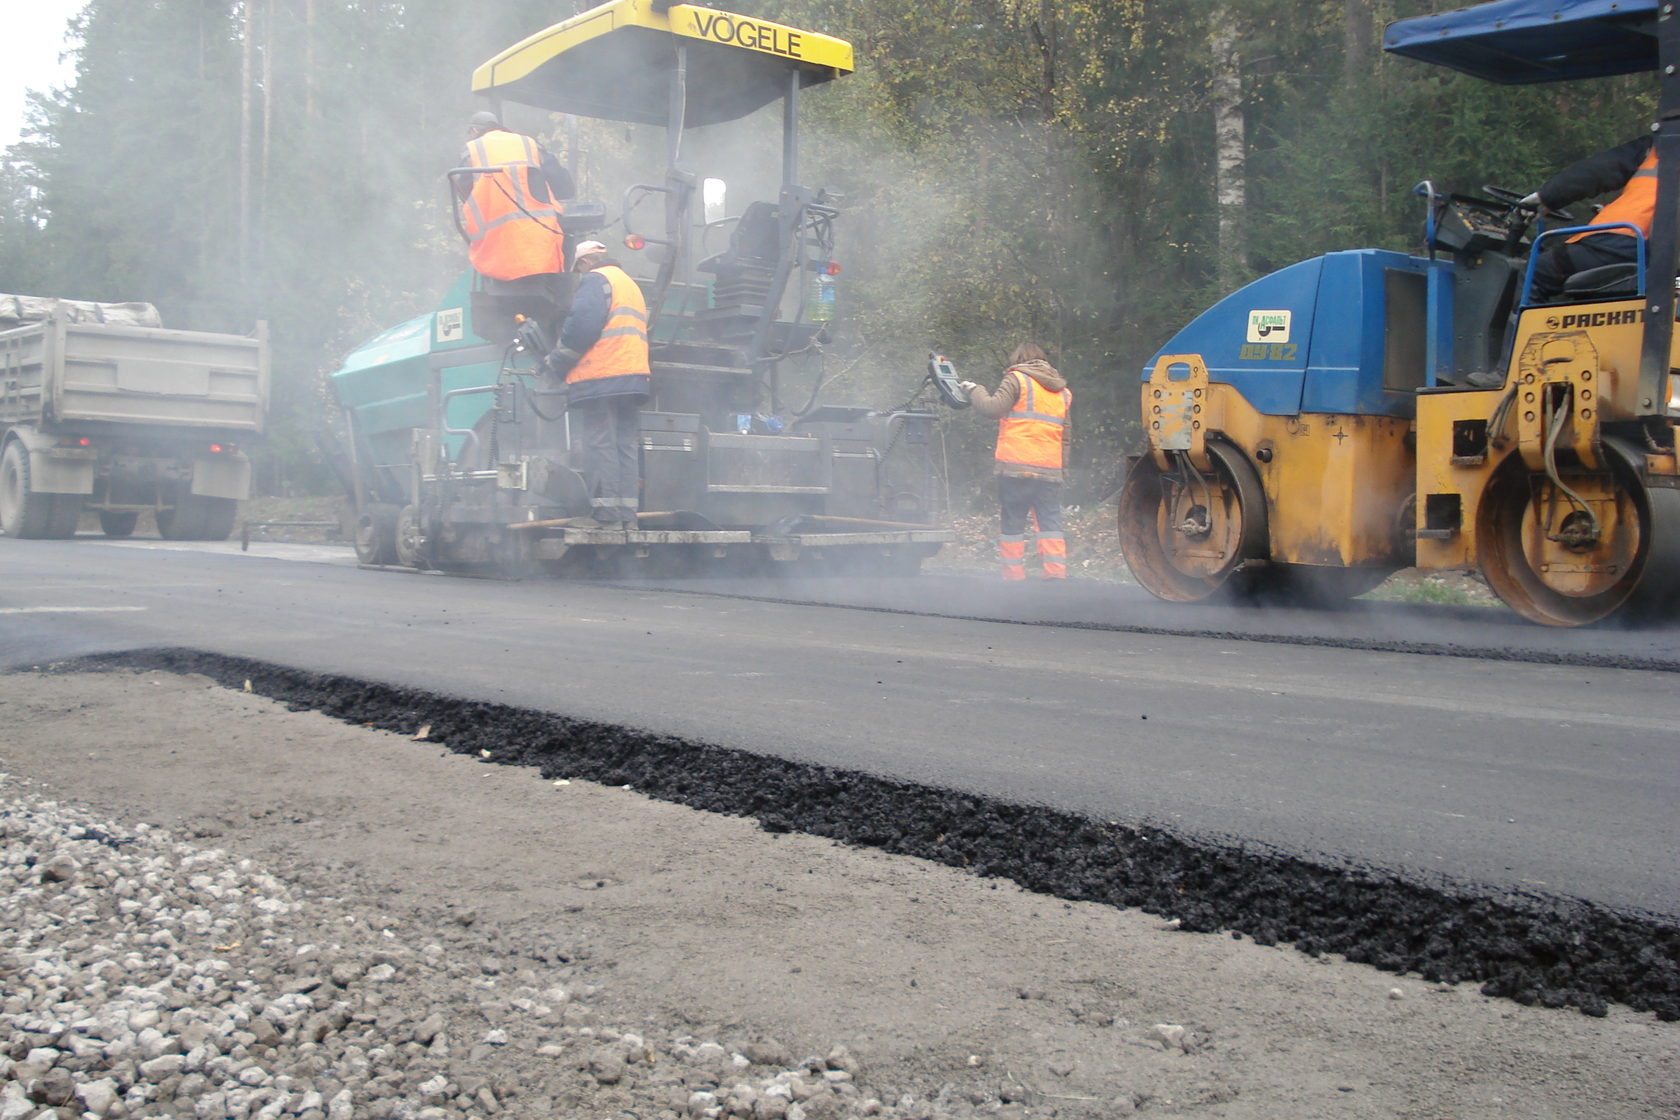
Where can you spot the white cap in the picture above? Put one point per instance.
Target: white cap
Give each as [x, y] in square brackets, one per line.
[589, 249]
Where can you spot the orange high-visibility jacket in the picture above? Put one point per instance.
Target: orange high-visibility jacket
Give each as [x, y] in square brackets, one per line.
[1636, 204]
[1030, 435]
[513, 227]
[622, 349]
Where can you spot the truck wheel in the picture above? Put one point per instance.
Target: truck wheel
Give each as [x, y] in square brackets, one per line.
[178, 524]
[116, 523]
[66, 513]
[23, 513]
[197, 518]
[217, 519]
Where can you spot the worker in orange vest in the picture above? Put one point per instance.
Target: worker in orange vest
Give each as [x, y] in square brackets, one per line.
[603, 355]
[511, 216]
[1031, 407]
[1630, 168]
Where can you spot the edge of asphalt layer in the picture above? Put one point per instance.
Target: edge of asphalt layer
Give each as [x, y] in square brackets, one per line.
[1531, 948]
[1587, 659]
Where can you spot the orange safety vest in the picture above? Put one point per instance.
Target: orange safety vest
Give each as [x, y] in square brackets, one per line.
[513, 228]
[622, 349]
[1636, 204]
[1030, 434]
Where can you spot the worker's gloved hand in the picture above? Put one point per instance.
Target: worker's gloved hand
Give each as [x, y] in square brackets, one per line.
[1532, 202]
[967, 386]
[559, 361]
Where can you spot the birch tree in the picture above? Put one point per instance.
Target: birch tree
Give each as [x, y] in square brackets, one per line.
[1230, 148]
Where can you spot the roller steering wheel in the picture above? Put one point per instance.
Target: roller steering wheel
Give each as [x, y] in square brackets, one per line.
[1515, 201]
[1503, 194]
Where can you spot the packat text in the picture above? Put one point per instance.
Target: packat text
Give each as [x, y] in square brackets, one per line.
[1597, 319]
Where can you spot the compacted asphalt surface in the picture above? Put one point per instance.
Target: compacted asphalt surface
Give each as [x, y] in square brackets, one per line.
[1453, 746]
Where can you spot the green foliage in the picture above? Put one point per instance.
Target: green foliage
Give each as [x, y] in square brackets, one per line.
[1011, 169]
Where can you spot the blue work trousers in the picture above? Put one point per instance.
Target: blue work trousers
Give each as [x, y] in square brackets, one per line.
[609, 431]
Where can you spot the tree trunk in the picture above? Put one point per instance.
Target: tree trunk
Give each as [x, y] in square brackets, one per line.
[247, 44]
[261, 246]
[309, 110]
[1230, 151]
[1046, 36]
[1358, 32]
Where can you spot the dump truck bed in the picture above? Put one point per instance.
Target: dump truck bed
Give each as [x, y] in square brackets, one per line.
[57, 373]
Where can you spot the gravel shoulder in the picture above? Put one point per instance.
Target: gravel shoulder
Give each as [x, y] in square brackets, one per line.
[933, 992]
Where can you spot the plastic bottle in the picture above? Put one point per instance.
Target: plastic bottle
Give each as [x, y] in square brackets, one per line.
[819, 298]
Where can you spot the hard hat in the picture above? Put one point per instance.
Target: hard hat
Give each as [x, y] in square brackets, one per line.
[482, 121]
[589, 249]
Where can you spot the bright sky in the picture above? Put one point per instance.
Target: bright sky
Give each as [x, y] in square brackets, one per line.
[33, 39]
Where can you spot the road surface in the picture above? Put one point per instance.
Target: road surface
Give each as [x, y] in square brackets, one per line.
[1545, 763]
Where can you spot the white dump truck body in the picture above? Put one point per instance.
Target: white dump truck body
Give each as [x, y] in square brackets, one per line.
[102, 408]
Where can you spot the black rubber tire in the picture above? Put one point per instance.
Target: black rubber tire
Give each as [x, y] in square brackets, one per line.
[118, 523]
[198, 518]
[413, 550]
[179, 523]
[376, 535]
[219, 516]
[66, 515]
[26, 514]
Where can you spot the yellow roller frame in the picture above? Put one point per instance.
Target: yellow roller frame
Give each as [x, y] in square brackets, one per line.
[1337, 485]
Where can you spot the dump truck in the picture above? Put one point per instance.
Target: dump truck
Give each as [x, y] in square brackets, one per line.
[103, 409]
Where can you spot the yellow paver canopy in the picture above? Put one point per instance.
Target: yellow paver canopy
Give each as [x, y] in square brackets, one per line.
[614, 62]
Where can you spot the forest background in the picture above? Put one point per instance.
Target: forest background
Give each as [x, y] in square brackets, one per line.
[1086, 173]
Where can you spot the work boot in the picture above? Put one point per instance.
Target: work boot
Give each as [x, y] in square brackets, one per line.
[1486, 379]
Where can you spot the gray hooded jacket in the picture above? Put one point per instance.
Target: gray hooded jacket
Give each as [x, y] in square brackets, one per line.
[996, 405]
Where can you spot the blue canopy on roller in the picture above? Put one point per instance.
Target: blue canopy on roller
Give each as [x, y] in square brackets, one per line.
[1518, 42]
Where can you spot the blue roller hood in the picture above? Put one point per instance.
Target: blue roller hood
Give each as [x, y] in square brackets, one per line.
[1311, 337]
